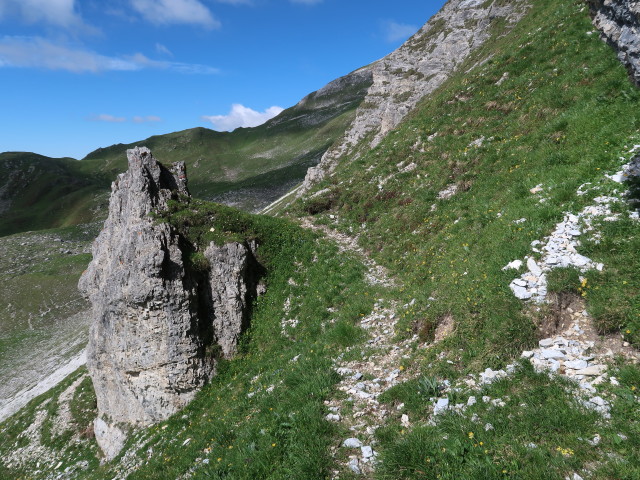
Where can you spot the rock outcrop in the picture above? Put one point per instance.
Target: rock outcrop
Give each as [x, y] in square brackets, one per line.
[158, 325]
[619, 24]
[417, 68]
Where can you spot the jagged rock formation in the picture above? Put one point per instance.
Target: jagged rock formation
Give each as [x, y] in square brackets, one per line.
[619, 24]
[417, 68]
[156, 322]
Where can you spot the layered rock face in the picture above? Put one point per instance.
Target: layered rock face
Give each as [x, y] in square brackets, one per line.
[156, 324]
[619, 24]
[417, 68]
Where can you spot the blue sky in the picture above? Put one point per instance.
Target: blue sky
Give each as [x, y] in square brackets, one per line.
[76, 75]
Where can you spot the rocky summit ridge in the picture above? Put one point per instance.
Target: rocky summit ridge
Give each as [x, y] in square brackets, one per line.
[159, 325]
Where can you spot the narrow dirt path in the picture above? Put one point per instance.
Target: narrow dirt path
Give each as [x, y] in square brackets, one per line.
[366, 371]
[376, 274]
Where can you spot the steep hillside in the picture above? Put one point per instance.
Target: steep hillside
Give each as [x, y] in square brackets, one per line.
[43, 318]
[473, 311]
[39, 192]
[417, 68]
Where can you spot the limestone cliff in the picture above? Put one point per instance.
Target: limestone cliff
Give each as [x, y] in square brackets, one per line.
[158, 325]
[619, 24]
[417, 68]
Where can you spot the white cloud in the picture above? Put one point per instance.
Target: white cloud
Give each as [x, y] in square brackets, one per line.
[56, 12]
[104, 117]
[148, 118]
[36, 52]
[165, 12]
[398, 31]
[241, 116]
[163, 50]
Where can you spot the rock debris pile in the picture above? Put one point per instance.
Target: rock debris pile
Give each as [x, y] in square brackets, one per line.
[560, 249]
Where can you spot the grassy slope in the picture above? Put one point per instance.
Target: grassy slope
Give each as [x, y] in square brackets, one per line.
[276, 432]
[47, 192]
[39, 272]
[564, 117]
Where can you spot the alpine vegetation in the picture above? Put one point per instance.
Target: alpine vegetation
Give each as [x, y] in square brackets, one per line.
[451, 293]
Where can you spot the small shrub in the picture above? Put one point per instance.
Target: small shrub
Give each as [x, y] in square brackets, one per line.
[425, 328]
[428, 386]
[198, 262]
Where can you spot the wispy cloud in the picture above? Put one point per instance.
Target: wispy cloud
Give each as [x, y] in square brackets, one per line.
[395, 32]
[147, 119]
[141, 61]
[37, 52]
[56, 12]
[241, 116]
[166, 12]
[105, 117]
[163, 50]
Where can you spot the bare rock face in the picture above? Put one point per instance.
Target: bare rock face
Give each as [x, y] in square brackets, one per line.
[156, 323]
[619, 24]
[232, 284]
[417, 68]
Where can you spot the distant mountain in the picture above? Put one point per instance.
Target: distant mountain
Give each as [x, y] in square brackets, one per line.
[39, 192]
[247, 168]
[250, 167]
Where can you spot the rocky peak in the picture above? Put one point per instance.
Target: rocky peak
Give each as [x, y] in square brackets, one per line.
[158, 325]
[417, 68]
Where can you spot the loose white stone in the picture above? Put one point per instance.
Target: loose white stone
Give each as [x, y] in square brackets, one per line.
[441, 405]
[520, 291]
[352, 443]
[404, 420]
[354, 467]
[533, 267]
[367, 452]
[576, 364]
[592, 371]
[515, 265]
[550, 353]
